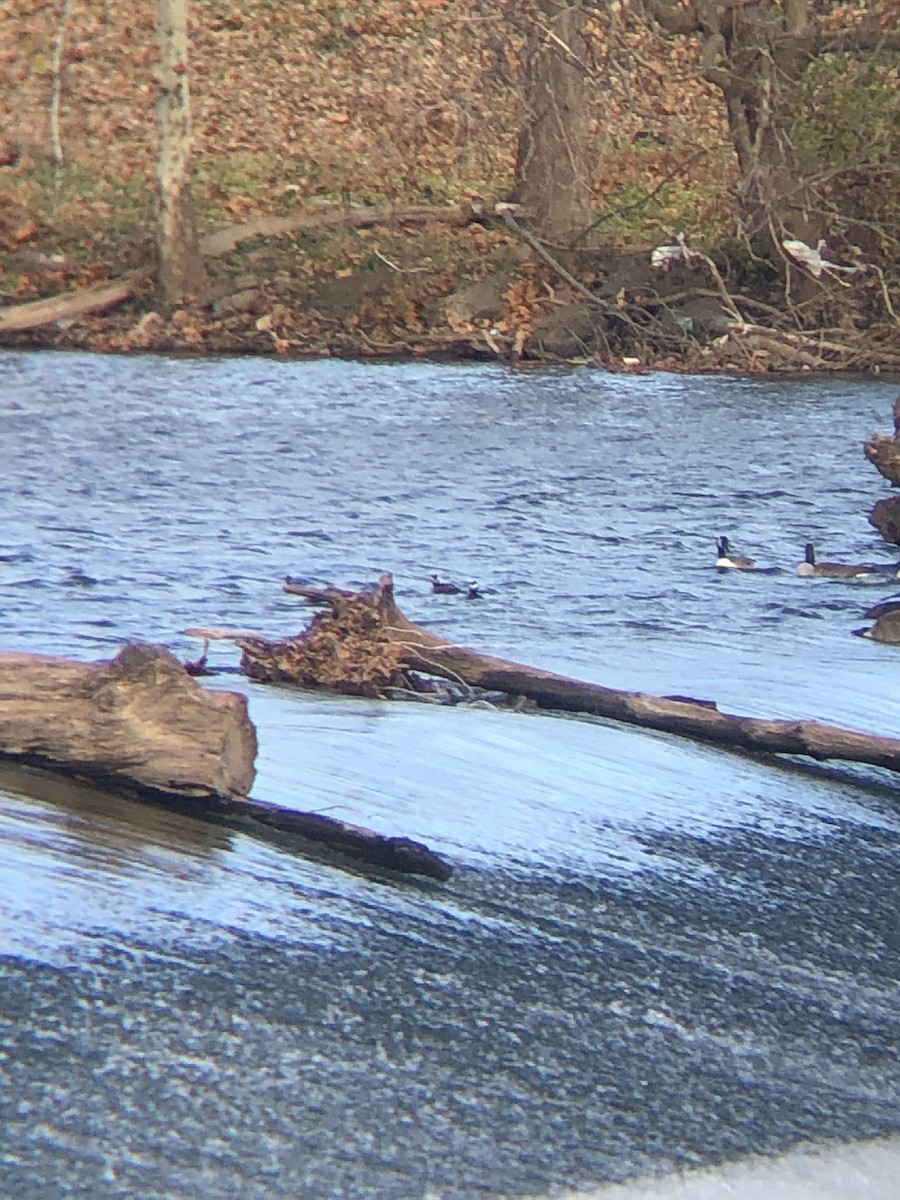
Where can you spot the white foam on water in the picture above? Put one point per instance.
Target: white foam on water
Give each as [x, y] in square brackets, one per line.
[867, 1170]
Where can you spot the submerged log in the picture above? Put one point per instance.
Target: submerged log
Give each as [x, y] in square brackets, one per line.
[337, 837]
[406, 647]
[138, 722]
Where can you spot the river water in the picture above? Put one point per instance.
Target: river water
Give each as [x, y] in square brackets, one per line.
[653, 956]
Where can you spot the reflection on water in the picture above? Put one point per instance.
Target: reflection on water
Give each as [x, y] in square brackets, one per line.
[652, 955]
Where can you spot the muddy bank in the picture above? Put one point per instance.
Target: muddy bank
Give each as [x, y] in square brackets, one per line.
[456, 283]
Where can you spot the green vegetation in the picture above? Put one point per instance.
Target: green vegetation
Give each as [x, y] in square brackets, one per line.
[637, 215]
[847, 134]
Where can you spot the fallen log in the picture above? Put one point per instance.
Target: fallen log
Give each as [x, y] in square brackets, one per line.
[137, 723]
[332, 652]
[361, 216]
[69, 306]
[141, 726]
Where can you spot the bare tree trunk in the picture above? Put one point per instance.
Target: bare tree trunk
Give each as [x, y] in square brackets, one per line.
[755, 54]
[757, 60]
[56, 68]
[182, 275]
[552, 169]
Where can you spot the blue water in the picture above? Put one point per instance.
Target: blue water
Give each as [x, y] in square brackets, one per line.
[652, 954]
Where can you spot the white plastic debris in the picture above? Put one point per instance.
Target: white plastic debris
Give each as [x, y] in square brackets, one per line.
[815, 260]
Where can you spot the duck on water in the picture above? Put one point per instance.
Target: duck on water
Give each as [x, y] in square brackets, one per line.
[811, 568]
[446, 587]
[886, 616]
[734, 562]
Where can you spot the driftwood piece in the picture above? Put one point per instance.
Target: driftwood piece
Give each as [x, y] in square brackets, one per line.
[138, 722]
[414, 649]
[884, 452]
[885, 517]
[140, 725]
[360, 216]
[70, 305]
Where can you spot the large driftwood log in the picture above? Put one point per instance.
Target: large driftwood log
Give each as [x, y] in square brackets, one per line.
[138, 722]
[399, 647]
[140, 725]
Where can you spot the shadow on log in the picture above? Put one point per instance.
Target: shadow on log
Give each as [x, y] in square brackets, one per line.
[400, 650]
[142, 727]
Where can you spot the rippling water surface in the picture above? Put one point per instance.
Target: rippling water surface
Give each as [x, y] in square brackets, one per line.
[652, 955]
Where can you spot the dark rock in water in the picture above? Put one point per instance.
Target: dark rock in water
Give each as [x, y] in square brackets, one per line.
[885, 516]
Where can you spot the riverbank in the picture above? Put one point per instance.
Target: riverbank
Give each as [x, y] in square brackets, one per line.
[456, 283]
[354, 162]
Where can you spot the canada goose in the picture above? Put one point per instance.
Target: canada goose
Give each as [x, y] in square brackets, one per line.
[444, 587]
[833, 570]
[737, 562]
[886, 616]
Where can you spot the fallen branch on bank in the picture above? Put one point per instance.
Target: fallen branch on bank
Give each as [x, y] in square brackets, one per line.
[338, 216]
[363, 644]
[141, 726]
[69, 306]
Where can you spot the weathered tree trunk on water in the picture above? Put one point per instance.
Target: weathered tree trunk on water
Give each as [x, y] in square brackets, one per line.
[141, 726]
[138, 722]
[182, 274]
[365, 645]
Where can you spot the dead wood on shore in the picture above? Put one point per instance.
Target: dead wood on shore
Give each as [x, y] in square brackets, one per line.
[332, 653]
[69, 306]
